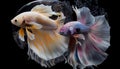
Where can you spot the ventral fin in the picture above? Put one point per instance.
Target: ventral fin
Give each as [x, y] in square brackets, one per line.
[21, 34]
[30, 35]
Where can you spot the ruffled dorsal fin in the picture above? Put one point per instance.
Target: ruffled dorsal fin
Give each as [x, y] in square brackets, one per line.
[84, 16]
[77, 11]
[44, 9]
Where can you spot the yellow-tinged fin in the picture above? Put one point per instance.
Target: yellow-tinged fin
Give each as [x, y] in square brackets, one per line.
[48, 44]
[44, 9]
[30, 35]
[21, 34]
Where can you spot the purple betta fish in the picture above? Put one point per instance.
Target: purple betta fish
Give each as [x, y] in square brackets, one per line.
[89, 38]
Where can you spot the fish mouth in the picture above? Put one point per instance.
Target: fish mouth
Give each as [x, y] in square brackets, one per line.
[15, 23]
[12, 21]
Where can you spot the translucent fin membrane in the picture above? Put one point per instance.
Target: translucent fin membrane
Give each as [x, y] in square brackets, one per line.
[61, 49]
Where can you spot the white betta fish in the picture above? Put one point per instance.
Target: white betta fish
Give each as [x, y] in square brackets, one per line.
[43, 38]
[89, 38]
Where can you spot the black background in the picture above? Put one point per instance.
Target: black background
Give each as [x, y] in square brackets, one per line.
[14, 57]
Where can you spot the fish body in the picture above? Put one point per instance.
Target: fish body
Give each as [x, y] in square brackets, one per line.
[45, 44]
[27, 18]
[90, 36]
[73, 27]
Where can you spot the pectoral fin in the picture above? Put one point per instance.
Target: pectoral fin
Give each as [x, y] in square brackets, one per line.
[21, 34]
[30, 35]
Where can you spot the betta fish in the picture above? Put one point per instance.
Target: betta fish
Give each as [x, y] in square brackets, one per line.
[89, 38]
[43, 38]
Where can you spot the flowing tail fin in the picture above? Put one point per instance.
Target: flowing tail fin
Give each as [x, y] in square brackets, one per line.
[96, 42]
[47, 48]
[91, 51]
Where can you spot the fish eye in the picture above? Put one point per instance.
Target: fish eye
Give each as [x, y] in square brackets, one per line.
[78, 30]
[15, 20]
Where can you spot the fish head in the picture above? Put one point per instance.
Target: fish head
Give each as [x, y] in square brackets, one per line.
[67, 29]
[64, 31]
[73, 27]
[18, 20]
[22, 18]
